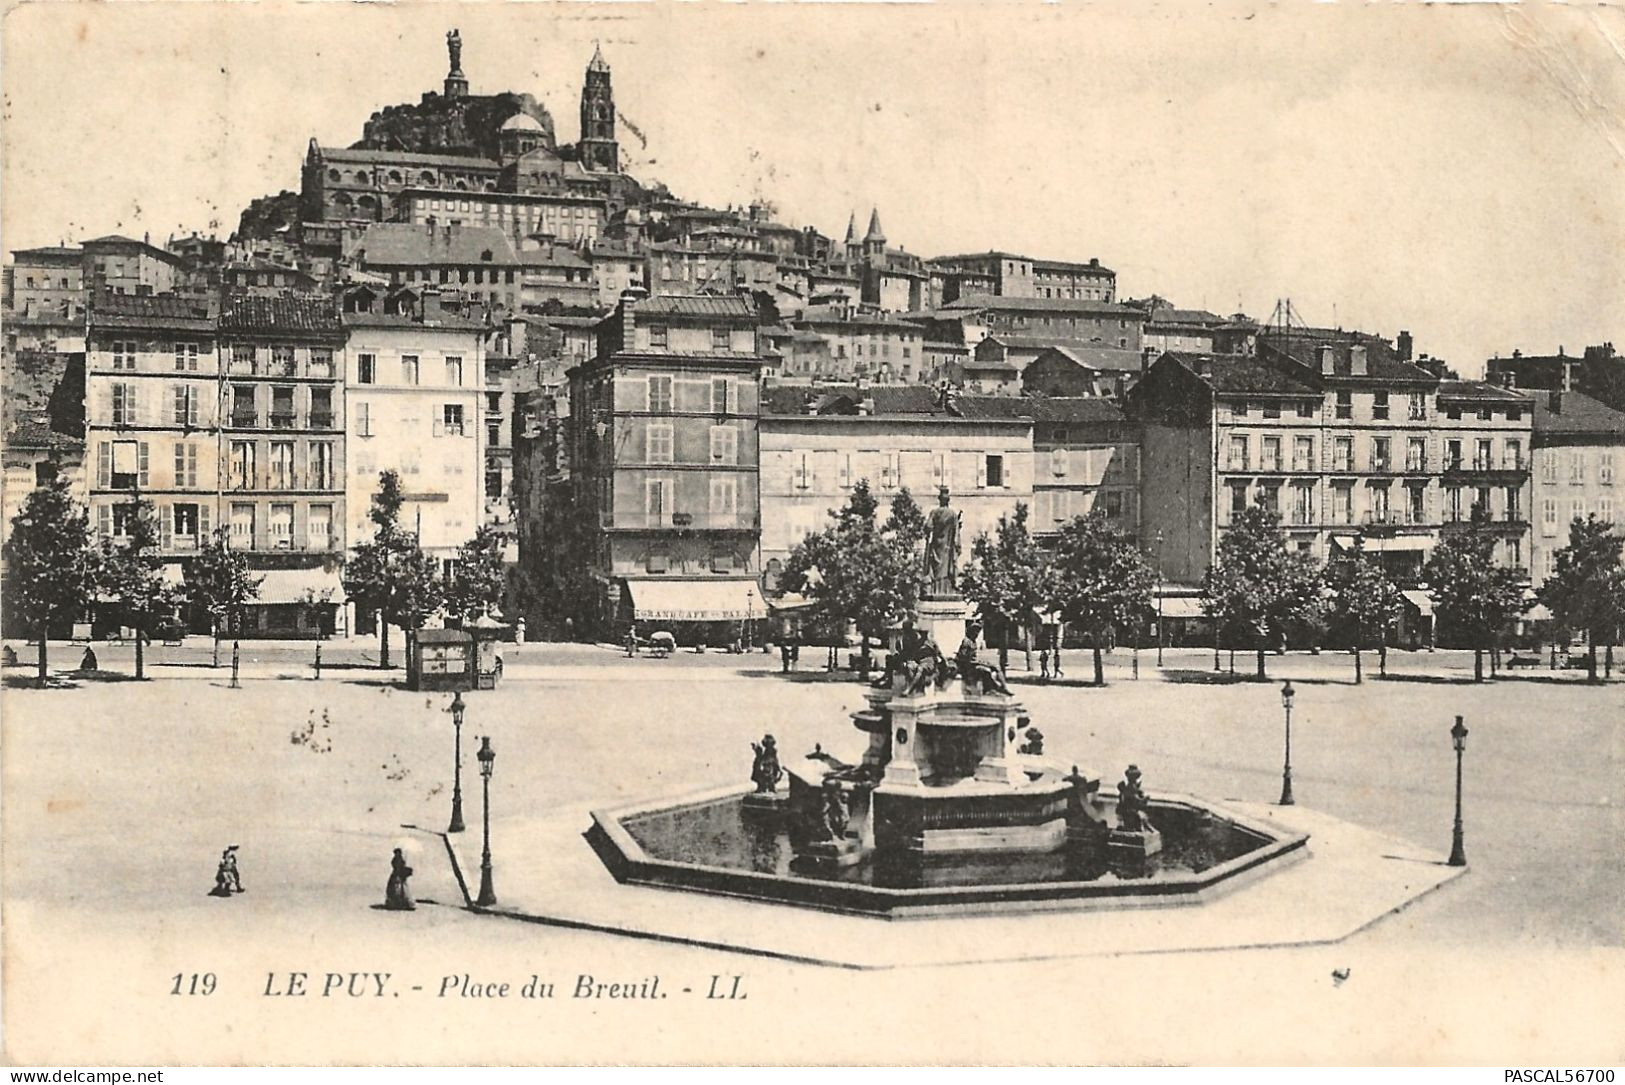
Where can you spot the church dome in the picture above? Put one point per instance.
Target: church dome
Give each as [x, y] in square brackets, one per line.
[522, 122]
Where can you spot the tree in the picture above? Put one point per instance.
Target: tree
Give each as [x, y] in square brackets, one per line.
[130, 575]
[1587, 590]
[49, 562]
[219, 581]
[856, 571]
[390, 573]
[1474, 598]
[1256, 584]
[1008, 577]
[1102, 581]
[479, 577]
[1364, 600]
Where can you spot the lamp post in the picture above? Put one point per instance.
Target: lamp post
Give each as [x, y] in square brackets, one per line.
[1287, 693]
[1159, 598]
[486, 756]
[1458, 738]
[456, 711]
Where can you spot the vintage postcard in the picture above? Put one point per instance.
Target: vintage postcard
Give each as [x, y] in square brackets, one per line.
[907, 534]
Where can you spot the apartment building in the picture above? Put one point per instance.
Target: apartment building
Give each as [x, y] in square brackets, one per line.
[415, 387]
[1578, 455]
[664, 463]
[283, 449]
[152, 426]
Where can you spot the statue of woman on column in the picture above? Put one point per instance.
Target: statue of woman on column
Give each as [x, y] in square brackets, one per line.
[454, 46]
[942, 550]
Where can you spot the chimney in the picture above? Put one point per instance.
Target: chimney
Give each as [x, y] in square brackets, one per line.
[1357, 360]
[431, 310]
[1328, 362]
[1554, 402]
[1403, 347]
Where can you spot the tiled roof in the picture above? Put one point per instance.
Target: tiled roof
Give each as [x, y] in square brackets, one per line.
[395, 244]
[1036, 408]
[1577, 414]
[444, 322]
[552, 257]
[283, 312]
[1479, 390]
[404, 158]
[1303, 346]
[1232, 373]
[53, 254]
[726, 306]
[1164, 315]
[1002, 303]
[33, 433]
[1093, 356]
[174, 311]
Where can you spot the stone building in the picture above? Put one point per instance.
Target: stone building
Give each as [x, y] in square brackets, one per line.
[1013, 276]
[476, 262]
[283, 456]
[152, 426]
[415, 383]
[1579, 452]
[818, 443]
[663, 464]
[1084, 321]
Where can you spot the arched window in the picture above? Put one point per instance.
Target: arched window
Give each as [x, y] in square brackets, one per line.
[394, 177]
[342, 201]
[361, 177]
[335, 176]
[461, 186]
[367, 205]
[426, 178]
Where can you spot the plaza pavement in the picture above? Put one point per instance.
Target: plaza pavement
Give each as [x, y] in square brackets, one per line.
[118, 798]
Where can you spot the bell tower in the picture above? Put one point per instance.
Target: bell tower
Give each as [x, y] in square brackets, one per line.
[598, 150]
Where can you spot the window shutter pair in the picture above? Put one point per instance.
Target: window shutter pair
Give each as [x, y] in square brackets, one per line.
[166, 525]
[143, 463]
[104, 519]
[104, 465]
[202, 522]
[981, 472]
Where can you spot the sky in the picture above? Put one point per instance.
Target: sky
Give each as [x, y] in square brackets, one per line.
[1454, 170]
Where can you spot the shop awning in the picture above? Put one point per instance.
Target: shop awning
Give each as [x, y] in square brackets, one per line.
[1182, 607]
[290, 585]
[790, 601]
[1421, 600]
[696, 600]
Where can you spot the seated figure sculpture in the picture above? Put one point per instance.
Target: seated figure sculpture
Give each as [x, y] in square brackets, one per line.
[1132, 804]
[978, 677]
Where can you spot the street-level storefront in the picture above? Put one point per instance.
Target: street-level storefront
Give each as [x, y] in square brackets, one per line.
[300, 604]
[713, 612]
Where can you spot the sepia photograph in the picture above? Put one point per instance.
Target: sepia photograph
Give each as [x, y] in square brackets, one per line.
[812, 534]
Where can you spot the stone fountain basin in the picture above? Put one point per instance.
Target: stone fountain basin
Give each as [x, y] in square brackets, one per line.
[695, 843]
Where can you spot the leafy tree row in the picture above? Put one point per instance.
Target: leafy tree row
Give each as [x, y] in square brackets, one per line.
[56, 570]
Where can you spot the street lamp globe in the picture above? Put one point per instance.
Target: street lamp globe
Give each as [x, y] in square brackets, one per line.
[487, 756]
[457, 708]
[1458, 735]
[1287, 693]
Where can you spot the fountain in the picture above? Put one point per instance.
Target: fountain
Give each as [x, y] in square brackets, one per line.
[953, 804]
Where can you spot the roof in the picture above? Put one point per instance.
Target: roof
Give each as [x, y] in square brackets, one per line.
[407, 158]
[33, 433]
[1037, 408]
[1092, 266]
[1093, 356]
[1303, 345]
[725, 306]
[1201, 317]
[283, 312]
[1231, 373]
[836, 314]
[522, 122]
[403, 243]
[916, 400]
[553, 256]
[49, 254]
[172, 311]
[1578, 414]
[1041, 305]
[445, 322]
[1479, 390]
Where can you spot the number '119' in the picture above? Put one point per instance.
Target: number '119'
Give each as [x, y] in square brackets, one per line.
[193, 983]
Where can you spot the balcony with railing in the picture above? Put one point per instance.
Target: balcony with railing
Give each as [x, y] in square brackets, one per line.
[321, 419]
[244, 419]
[285, 419]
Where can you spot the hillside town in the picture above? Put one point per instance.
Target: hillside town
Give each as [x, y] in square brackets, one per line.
[636, 409]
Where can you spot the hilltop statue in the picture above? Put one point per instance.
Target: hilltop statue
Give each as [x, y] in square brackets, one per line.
[454, 46]
[942, 550]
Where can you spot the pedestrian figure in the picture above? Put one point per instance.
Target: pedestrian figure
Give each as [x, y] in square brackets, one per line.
[226, 879]
[397, 895]
[784, 656]
[1055, 650]
[87, 662]
[632, 640]
[519, 631]
[1043, 661]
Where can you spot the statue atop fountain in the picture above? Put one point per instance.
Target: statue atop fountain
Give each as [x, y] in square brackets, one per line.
[1135, 836]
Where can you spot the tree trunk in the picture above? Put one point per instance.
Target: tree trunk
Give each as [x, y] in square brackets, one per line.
[215, 625]
[1608, 659]
[863, 642]
[1004, 652]
[1027, 644]
[1261, 675]
[383, 641]
[44, 670]
[1591, 656]
[1359, 675]
[1478, 664]
[1100, 667]
[140, 657]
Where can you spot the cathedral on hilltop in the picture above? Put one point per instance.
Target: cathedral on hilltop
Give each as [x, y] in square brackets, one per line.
[456, 142]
